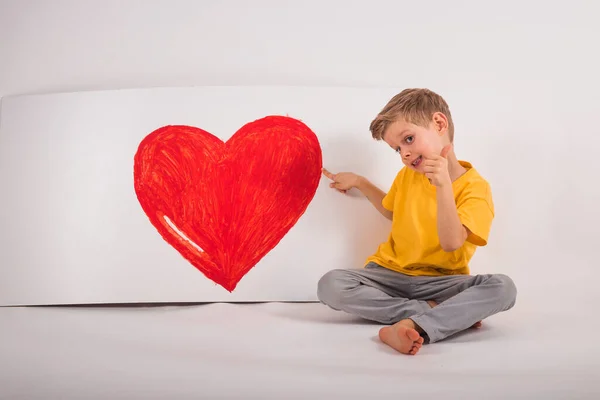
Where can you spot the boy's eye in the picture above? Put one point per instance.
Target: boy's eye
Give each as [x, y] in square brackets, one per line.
[409, 139]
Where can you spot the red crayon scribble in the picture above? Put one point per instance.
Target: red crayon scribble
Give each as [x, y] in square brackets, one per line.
[224, 206]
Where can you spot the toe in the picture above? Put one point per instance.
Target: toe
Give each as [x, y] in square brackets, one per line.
[413, 335]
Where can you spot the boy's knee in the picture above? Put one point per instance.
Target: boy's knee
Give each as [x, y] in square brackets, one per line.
[507, 289]
[330, 288]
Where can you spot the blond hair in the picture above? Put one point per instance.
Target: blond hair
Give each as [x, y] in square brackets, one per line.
[415, 106]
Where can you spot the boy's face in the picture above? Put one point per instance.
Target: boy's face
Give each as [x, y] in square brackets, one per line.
[414, 143]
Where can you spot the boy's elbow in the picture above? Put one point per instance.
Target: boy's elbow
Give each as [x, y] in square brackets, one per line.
[455, 243]
[449, 247]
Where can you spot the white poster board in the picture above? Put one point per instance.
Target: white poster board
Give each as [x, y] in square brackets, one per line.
[73, 229]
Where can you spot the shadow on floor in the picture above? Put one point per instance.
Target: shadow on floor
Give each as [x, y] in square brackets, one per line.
[321, 314]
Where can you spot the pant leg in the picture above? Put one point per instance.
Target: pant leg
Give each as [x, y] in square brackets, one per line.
[374, 293]
[463, 300]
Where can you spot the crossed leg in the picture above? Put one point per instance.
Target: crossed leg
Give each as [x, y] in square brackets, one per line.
[434, 307]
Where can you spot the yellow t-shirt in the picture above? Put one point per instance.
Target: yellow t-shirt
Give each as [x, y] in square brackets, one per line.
[413, 246]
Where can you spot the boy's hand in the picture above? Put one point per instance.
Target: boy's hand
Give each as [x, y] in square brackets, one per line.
[342, 181]
[436, 168]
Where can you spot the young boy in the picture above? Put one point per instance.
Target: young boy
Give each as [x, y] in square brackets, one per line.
[441, 209]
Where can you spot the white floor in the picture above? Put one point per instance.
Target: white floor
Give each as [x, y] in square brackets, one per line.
[283, 351]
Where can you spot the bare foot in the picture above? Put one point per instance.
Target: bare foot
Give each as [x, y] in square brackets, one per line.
[402, 336]
[432, 304]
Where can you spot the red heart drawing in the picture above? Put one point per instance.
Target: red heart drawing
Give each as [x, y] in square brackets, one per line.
[225, 205]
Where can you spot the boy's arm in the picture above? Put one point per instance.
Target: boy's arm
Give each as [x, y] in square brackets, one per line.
[345, 181]
[452, 233]
[375, 196]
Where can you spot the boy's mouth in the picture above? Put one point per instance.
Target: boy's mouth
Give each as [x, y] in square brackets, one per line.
[417, 162]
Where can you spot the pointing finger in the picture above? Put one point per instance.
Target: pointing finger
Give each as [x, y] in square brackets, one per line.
[328, 174]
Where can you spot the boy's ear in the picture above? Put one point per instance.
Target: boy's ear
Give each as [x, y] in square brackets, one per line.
[440, 122]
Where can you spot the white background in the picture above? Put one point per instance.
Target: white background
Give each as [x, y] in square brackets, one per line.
[520, 77]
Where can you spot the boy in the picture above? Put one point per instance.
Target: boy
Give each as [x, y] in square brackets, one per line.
[441, 209]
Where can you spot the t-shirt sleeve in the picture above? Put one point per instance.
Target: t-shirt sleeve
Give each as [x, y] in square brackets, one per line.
[390, 197]
[476, 212]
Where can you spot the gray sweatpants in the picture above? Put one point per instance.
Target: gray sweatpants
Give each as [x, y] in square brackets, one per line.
[379, 294]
